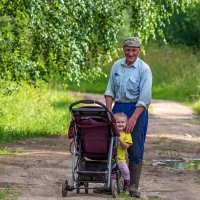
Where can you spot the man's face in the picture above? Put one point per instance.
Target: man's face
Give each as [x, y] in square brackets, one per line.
[131, 53]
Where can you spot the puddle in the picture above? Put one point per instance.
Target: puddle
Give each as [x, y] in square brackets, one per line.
[179, 164]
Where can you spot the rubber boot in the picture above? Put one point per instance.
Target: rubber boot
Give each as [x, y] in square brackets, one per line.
[135, 173]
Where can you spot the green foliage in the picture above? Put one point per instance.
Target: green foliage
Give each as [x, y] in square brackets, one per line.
[4, 151]
[185, 27]
[125, 196]
[196, 106]
[7, 194]
[71, 40]
[193, 164]
[96, 86]
[26, 111]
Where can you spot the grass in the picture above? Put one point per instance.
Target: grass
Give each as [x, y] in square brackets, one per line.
[193, 165]
[6, 194]
[125, 196]
[6, 151]
[26, 111]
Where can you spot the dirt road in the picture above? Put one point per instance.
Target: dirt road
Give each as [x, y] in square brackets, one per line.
[44, 163]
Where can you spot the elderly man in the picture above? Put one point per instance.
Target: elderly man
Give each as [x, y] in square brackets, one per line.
[129, 88]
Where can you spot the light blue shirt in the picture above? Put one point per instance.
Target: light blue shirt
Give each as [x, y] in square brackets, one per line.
[130, 83]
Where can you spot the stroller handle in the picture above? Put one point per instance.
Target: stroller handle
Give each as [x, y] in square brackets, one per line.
[88, 101]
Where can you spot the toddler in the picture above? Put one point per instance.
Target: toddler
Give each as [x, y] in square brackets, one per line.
[125, 140]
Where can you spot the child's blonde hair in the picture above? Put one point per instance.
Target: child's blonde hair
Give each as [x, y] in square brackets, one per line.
[120, 114]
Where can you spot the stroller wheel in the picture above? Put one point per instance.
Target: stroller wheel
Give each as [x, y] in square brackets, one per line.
[77, 190]
[64, 190]
[114, 188]
[120, 185]
[86, 184]
[79, 184]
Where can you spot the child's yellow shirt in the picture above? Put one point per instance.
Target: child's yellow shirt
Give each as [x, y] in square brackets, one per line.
[121, 152]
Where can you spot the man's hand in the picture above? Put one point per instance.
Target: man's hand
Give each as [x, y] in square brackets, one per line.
[130, 124]
[133, 119]
[109, 102]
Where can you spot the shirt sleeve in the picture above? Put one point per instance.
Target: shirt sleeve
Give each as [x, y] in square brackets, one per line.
[128, 138]
[110, 86]
[145, 96]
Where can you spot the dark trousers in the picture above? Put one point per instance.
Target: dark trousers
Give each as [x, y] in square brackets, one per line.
[136, 151]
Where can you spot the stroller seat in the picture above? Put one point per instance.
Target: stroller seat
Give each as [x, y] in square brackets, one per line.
[94, 132]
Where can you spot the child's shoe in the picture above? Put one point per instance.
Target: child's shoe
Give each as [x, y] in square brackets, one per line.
[126, 186]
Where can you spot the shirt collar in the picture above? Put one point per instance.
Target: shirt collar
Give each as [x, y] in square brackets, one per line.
[135, 64]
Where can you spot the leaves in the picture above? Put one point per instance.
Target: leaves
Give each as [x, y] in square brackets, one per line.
[71, 40]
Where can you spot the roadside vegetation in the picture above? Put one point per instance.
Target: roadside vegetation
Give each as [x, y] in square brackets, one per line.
[6, 194]
[27, 111]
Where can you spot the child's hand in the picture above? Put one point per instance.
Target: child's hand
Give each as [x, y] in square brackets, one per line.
[124, 144]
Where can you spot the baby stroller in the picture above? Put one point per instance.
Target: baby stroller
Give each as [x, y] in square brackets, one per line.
[94, 153]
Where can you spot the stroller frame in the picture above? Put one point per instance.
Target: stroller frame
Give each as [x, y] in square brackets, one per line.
[92, 167]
